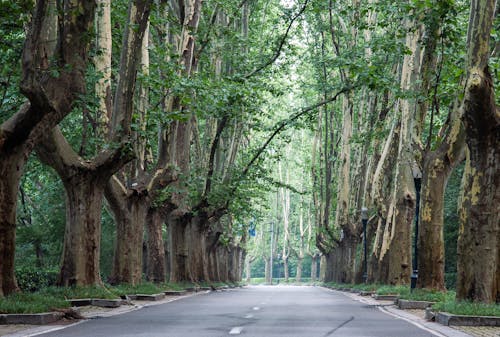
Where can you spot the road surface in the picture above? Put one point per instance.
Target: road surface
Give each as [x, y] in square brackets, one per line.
[256, 311]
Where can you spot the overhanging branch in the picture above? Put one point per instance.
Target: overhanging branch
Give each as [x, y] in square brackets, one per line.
[280, 45]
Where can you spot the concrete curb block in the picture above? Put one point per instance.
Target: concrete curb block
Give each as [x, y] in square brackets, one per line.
[366, 293]
[153, 297]
[97, 302]
[386, 297]
[409, 304]
[175, 292]
[465, 320]
[32, 319]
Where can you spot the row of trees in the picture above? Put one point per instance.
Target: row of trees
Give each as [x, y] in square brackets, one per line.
[146, 108]
[418, 106]
[419, 100]
[163, 112]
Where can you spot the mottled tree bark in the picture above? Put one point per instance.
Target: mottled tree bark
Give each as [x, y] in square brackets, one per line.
[478, 268]
[156, 261]
[51, 99]
[437, 167]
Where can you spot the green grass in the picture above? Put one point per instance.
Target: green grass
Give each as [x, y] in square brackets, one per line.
[428, 295]
[468, 308]
[143, 288]
[393, 290]
[24, 303]
[79, 292]
[445, 301]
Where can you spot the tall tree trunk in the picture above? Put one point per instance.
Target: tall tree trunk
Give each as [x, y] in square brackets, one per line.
[382, 185]
[10, 173]
[156, 267]
[84, 186]
[267, 271]
[129, 211]
[178, 249]
[51, 99]
[396, 243]
[314, 267]
[437, 167]
[82, 237]
[478, 271]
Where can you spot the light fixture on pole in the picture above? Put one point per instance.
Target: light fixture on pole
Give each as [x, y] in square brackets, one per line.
[364, 220]
[417, 180]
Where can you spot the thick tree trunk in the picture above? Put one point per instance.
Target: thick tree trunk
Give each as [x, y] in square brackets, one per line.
[51, 99]
[128, 254]
[267, 271]
[327, 267]
[197, 257]
[478, 276]
[178, 250]
[156, 249]
[344, 256]
[437, 168]
[82, 237]
[11, 169]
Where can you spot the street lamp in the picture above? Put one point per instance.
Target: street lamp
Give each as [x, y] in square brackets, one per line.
[364, 220]
[271, 256]
[417, 180]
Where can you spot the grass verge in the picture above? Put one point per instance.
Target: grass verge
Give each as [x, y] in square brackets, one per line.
[445, 301]
[468, 308]
[31, 303]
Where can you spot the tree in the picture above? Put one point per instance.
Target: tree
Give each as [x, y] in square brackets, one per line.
[478, 277]
[52, 86]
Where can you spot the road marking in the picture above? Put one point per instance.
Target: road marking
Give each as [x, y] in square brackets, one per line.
[236, 330]
[256, 308]
[249, 316]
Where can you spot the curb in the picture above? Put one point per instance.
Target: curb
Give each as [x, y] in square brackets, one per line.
[435, 328]
[466, 320]
[32, 319]
[408, 304]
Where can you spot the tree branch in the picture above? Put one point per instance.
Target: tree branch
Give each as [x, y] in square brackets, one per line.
[284, 123]
[280, 45]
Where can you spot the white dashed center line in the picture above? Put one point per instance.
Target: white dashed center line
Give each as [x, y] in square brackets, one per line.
[236, 330]
[256, 308]
[249, 316]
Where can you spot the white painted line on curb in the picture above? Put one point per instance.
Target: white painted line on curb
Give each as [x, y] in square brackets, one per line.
[249, 316]
[236, 330]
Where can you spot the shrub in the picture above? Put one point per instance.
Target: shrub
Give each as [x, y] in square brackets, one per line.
[450, 280]
[31, 280]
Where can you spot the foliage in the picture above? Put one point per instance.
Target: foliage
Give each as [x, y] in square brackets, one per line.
[30, 279]
[428, 295]
[389, 290]
[468, 308]
[450, 280]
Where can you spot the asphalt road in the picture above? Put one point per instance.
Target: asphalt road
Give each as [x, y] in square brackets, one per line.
[259, 311]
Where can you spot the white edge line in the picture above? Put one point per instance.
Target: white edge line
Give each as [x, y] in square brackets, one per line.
[412, 322]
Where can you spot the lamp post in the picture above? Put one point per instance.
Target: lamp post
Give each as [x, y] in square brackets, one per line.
[417, 180]
[271, 256]
[364, 220]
